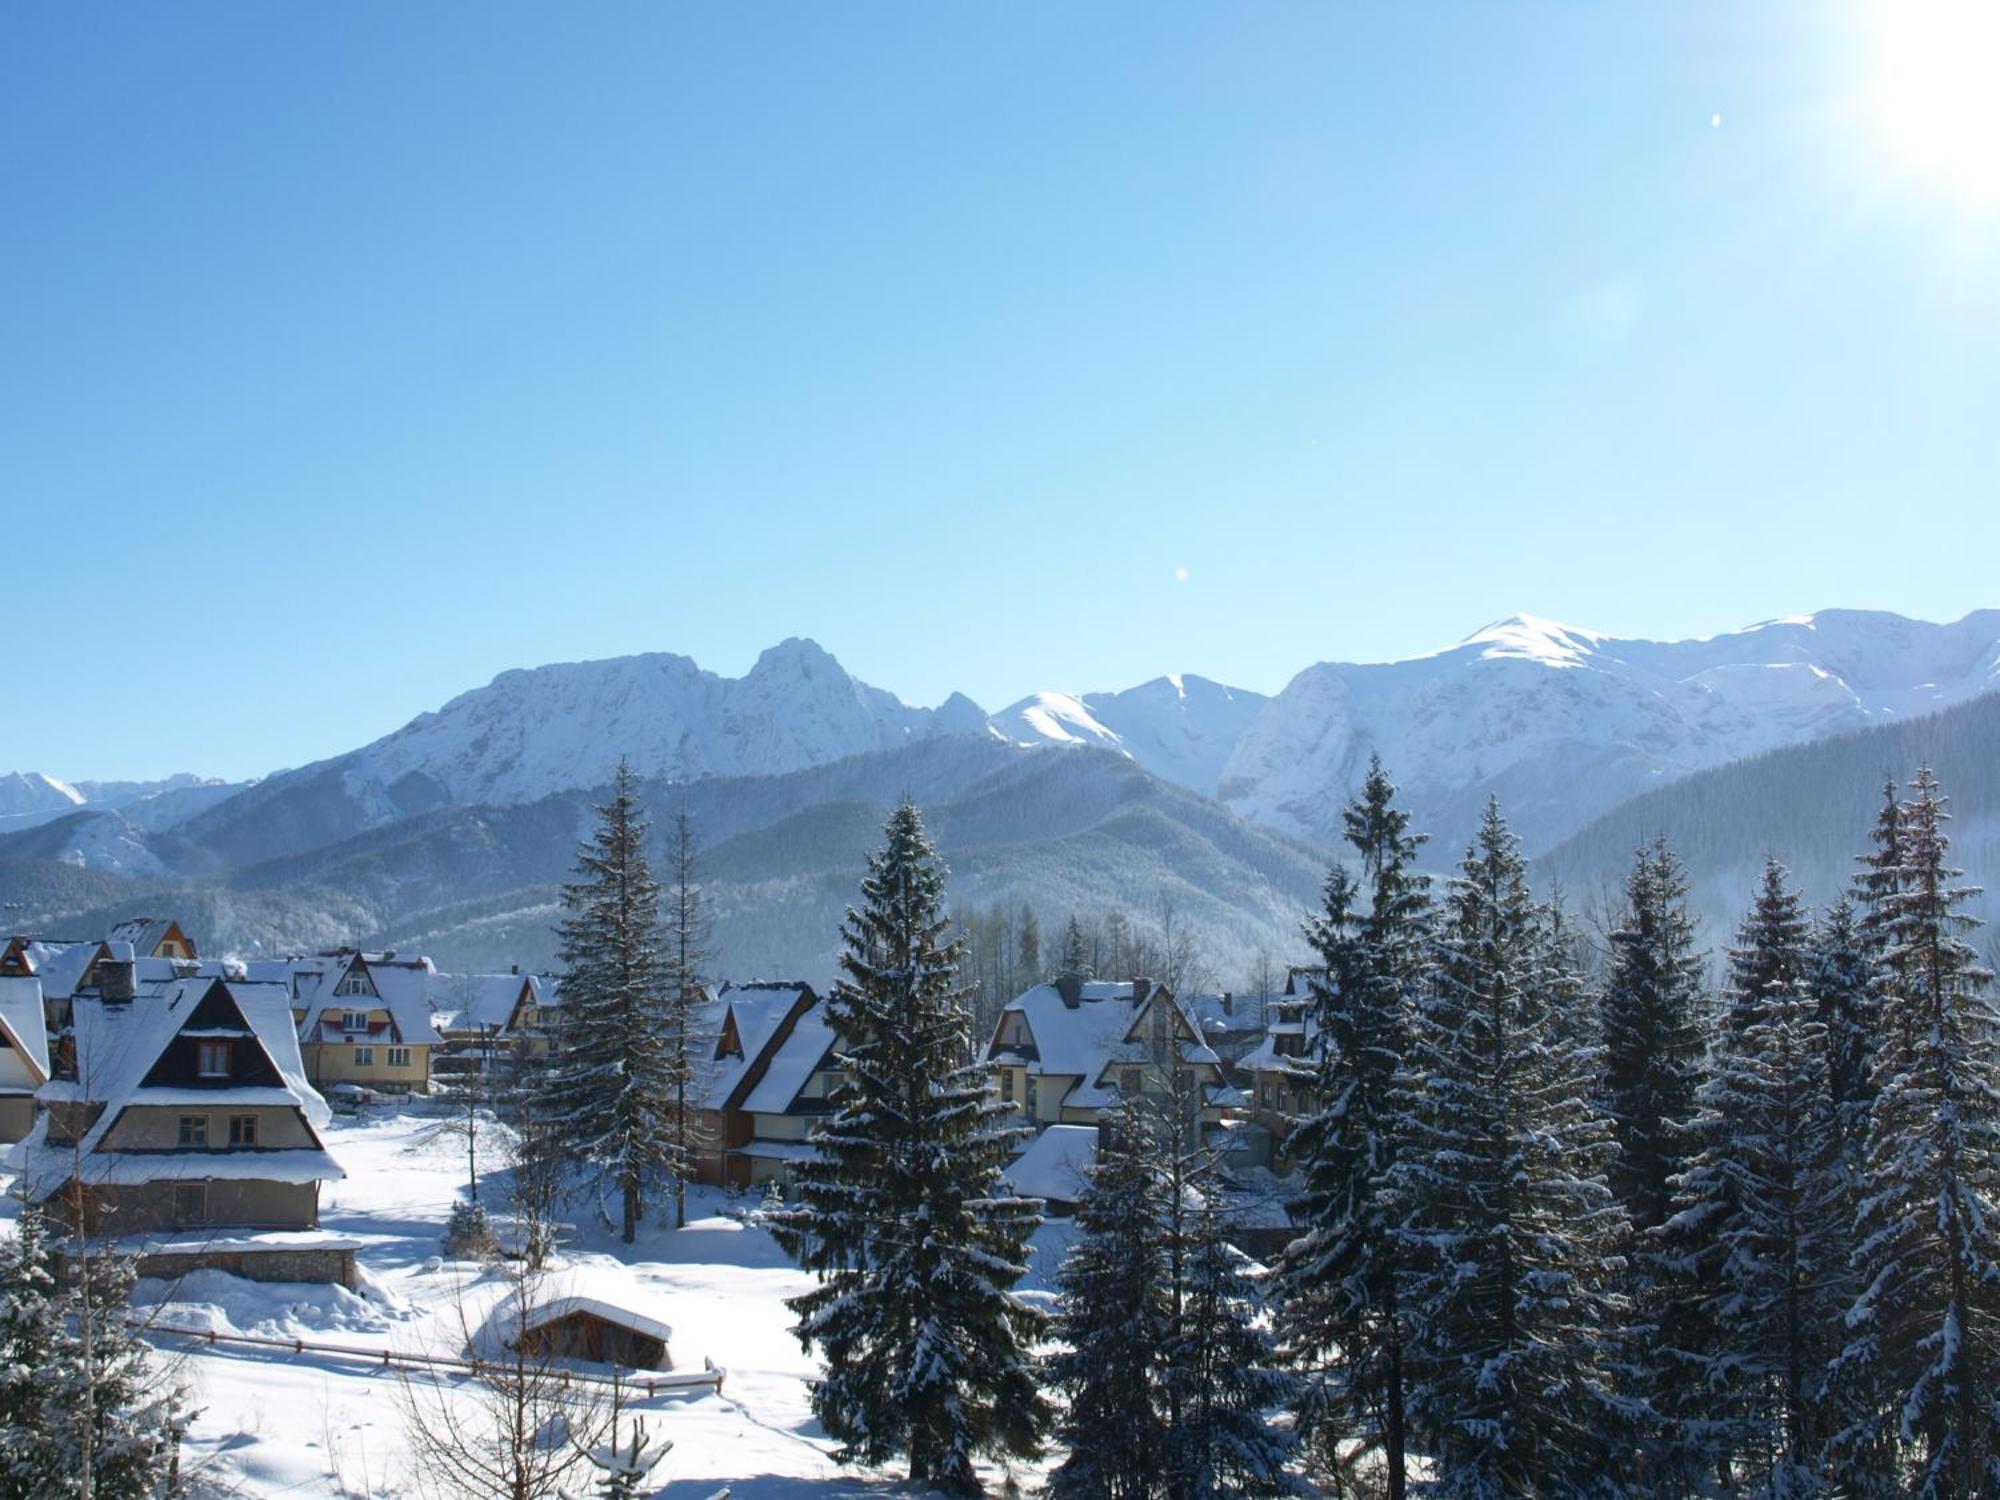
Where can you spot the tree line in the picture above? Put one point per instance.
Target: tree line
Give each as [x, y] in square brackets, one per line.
[1559, 1229]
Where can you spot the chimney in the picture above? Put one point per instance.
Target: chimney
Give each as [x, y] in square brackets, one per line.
[117, 980]
[515, 969]
[1070, 987]
[1140, 989]
[1228, 1003]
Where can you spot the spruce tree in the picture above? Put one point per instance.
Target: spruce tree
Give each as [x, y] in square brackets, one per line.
[901, 1215]
[687, 933]
[1514, 1242]
[1920, 1373]
[1846, 989]
[1222, 1375]
[1761, 1220]
[1076, 949]
[1340, 1317]
[608, 1089]
[1115, 1323]
[1649, 1015]
[84, 1408]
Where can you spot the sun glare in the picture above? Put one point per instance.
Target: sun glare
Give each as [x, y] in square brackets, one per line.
[1937, 90]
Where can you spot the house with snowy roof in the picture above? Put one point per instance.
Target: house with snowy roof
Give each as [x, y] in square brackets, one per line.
[1064, 1052]
[482, 1017]
[768, 1072]
[184, 1108]
[24, 1054]
[153, 937]
[365, 1018]
[1055, 1167]
[1283, 1065]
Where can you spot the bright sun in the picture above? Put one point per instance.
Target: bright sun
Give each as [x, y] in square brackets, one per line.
[1937, 89]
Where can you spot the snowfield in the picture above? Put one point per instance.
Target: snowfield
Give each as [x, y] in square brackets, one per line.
[281, 1423]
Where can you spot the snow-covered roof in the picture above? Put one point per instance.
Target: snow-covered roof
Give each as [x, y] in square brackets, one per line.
[474, 1002]
[1055, 1164]
[758, 1010]
[1103, 1028]
[23, 1022]
[793, 1061]
[116, 1048]
[60, 964]
[144, 934]
[593, 1291]
[402, 985]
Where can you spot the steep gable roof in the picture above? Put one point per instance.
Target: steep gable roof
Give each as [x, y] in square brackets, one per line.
[23, 1022]
[800, 1053]
[738, 1027]
[476, 1002]
[402, 988]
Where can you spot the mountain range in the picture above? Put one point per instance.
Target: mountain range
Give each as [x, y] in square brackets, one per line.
[464, 818]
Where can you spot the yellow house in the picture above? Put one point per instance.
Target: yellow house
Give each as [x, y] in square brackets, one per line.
[365, 1018]
[1064, 1052]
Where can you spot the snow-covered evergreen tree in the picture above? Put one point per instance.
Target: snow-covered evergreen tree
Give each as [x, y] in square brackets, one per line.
[1115, 1323]
[1222, 1375]
[1760, 1228]
[1845, 985]
[1514, 1243]
[85, 1408]
[608, 1088]
[1076, 949]
[1920, 1374]
[1340, 1317]
[686, 951]
[902, 1216]
[1649, 1014]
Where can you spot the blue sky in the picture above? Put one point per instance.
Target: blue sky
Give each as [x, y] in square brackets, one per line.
[352, 354]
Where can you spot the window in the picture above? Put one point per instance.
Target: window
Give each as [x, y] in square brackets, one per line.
[399, 1057]
[355, 984]
[213, 1060]
[1007, 1084]
[364, 1057]
[191, 1203]
[1128, 1082]
[242, 1130]
[194, 1132]
[354, 1020]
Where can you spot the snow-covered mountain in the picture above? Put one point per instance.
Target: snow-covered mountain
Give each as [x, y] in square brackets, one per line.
[1563, 723]
[1183, 728]
[546, 729]
[27, 794]
[31, 798]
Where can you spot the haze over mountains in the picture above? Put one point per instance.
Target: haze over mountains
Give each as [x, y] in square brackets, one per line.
[466, 815]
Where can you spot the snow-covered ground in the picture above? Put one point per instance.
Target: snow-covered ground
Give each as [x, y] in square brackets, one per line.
[279, 1423]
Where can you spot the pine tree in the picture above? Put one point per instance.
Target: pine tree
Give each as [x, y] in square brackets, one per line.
[1921, 1367]
[1514, 1242]
[1760, 1226]
[1076, 949]
[1340, 1318]
[686, 952]
[901, 1216]
[87, 1411]
[1223, 1377]
[1876, 881]
[1649, 1014]
[31, 1333]
[1847, 1000]
[609, 1087]
[1028, 946]
[1115, 1323]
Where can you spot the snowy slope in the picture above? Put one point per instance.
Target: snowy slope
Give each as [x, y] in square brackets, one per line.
[1565, 723]
[1182, 728]
[30, 793]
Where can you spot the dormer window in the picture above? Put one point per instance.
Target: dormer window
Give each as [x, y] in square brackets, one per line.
[355, 984]
[354, 1020]
[212, 1060]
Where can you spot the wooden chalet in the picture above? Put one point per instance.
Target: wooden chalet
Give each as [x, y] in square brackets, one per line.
[365, 1019]
[183, 1108]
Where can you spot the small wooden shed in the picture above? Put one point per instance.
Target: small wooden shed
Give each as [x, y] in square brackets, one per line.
[592, 1328]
